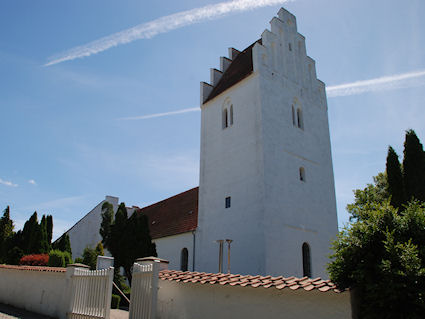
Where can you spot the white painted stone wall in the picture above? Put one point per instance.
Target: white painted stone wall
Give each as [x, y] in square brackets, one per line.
[256, 161]
[170, 248]
[38, 291]
[190, 301]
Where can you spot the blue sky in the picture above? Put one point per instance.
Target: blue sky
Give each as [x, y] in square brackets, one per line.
[65, 145]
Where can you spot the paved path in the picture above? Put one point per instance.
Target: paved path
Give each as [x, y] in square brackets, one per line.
[9, 312]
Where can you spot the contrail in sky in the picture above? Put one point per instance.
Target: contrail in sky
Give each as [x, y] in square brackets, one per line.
[149, 116]
[396, 81]
[161, 25]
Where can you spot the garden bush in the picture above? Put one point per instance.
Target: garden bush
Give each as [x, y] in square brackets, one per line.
[34, 260]
[115, 301]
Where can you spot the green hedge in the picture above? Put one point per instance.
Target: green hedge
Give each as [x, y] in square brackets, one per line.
[115, 301]
[59, 258]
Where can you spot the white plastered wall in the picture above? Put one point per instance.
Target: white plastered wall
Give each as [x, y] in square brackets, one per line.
[190, 301]
[170, 248]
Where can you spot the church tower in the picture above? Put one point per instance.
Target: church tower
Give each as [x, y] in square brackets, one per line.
[266, 176]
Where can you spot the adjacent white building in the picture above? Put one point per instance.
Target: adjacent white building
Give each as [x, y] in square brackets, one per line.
[266, 177]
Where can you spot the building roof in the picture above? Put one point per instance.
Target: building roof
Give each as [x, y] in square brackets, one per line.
[239, 69]
[279, 282]
[174, 215]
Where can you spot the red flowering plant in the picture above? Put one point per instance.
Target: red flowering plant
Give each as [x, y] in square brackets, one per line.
[35, 260]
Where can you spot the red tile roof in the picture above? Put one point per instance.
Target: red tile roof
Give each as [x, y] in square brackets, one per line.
[279, 282]
[239, 69]
[174, 215]
[34, 268]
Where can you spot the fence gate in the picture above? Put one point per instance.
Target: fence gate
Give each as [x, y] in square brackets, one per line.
[91, 292]
[144, 290]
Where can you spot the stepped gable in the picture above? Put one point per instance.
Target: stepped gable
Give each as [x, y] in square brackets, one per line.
[240, 67]
[175, 215]
[280, 282]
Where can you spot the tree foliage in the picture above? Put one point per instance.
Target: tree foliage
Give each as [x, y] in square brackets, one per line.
[90, 255]
[6, 231]
[126, 238]
[395, 179]
[414, 167]
[381, 253]
[63, 244]
[382, 256]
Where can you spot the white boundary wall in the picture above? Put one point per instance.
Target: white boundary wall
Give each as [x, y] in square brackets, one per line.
[43, 292]
[206, 301]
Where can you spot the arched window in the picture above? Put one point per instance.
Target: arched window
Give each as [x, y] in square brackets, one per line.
[184, 259]
[300, 118]
[231, 114]
[306, 260]
[225, 118]
[293, 116]
[302, 174]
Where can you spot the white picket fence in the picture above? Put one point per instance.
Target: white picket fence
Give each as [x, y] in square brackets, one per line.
[91, 292]
[144, 290]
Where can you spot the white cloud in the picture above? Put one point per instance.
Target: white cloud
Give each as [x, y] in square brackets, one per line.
[162, 25]
[8, 183]
[32, 182]
[397, 81]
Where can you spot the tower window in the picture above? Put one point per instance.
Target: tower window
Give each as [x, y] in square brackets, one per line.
[300, 123]
[184, 259]
[231, 114]
[225, 118]
[227, 202]
[293, 116]
[302, 174]
[290, 46]
[306, 260]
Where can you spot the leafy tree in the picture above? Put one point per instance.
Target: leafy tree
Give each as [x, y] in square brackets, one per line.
[395, 179]
[90, 255]
[382, 257]
[63, 244]
[126, 238]
[414, 167]
[6, 231]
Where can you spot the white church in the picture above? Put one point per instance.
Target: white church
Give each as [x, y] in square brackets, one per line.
[266, 197]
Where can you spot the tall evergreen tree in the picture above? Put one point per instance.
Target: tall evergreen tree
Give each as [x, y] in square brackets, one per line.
[63, 244]
[106, 224]
[49, 230]
[395, 179]
[31, 236]
[414, 167]
[44, 241]
[6, 231]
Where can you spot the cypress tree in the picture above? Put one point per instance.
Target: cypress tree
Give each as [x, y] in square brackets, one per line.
[44, 243]
[49, 230]
[6, 231]
[31, 236]
[414, 167]
[395, 179]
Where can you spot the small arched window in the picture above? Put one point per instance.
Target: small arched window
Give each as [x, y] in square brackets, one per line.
[225, 118]
[302, 174]
[306, 260]
[293, 116]
[231, 114]
[300, 118]
[184, 259]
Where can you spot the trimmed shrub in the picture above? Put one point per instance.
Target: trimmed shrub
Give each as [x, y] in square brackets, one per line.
[78, 260]
[115, 301]
[67, 257]
[34, 260]
[56, 258]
